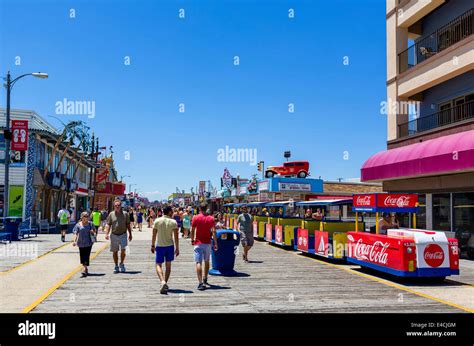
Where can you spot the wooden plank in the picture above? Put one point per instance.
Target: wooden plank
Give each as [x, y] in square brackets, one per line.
[277, 281]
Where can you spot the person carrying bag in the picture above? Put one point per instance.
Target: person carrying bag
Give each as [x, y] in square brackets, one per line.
[85, 237]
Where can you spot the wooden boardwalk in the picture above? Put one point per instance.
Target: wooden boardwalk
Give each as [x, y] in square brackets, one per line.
[275, 281]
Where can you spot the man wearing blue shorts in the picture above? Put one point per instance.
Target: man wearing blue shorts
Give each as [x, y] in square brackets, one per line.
[164, 229]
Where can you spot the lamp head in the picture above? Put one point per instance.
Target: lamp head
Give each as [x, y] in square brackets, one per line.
[41, 75]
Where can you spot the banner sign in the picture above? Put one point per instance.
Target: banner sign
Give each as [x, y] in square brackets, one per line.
[385, 202]
[321, 242]
[202, 187]
[19, 135]
[294, 187]
[2, 148]
[255, 228]
[16, 201]
[268, 232]
[226, 179]
[393, 200]
[279, 234]
[101, 177]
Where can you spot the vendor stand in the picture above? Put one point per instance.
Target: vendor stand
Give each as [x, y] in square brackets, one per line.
[403, 252]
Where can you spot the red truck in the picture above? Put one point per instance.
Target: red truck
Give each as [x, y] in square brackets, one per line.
[299, 169]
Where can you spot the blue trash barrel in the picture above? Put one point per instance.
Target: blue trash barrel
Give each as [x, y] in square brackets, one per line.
[223, 259]
[11, 226]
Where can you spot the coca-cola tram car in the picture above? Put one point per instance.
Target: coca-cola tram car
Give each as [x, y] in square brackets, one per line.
[328, 236]
[402, 252]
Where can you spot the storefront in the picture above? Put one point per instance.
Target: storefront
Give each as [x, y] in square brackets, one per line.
[82, 200]
[441, 170]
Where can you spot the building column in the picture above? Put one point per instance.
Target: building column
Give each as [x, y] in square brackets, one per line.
[429, 211]
[451, 211]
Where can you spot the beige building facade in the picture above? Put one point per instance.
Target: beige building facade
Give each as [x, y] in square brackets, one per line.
[430, 117]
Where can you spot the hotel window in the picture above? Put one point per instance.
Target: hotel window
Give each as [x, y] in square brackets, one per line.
[463, 211]
[50, 153]
[441, 212]
[56, 161]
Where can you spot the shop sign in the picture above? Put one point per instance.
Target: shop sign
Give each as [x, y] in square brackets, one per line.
[397, 200]
[294, 187]
[263, 185]
[285, 196]
[253, 198]
[242, 190]
[265, 197]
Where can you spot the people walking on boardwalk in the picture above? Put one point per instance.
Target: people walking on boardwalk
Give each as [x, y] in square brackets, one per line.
[244, 223]
[219, 221]
[64, 216]
[103, 219]
[132, 217]
[164, 230]
[151, 217]
[84, 237]
[139, 219]
[177, 215]
[118, 222]
[96, 215]
[202, 229]
[186, 222]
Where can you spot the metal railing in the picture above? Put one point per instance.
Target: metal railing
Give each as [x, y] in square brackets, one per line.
[446, 36]
[438, 119]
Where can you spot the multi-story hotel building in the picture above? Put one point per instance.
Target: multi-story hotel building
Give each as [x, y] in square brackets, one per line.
[430, 145]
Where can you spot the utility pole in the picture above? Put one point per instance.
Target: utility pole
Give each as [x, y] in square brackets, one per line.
[7, 134]
[7, 151]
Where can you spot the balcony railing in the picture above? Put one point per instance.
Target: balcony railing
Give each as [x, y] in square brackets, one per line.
[438, 119]
[446, 36]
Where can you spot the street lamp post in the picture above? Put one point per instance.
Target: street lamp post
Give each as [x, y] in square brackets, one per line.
[130, 187]
[124, 176]
[7, 134]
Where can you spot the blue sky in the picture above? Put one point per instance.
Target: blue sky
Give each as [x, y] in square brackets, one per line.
[191, 61]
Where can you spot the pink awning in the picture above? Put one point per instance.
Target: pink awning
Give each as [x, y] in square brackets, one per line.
[448, 154]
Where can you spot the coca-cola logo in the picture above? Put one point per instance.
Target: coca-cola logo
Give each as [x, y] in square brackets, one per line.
[376, 252]
[433, 255]
[400, 202]
[364, 200]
